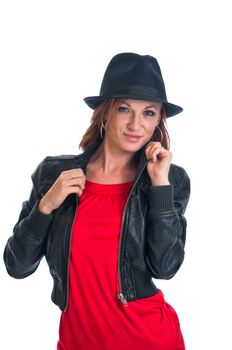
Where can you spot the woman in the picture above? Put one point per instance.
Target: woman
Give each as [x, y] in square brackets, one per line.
[111, 219]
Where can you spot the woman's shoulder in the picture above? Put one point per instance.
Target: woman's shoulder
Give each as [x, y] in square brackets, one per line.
[178, 176]
[51, 167]
[51, 161]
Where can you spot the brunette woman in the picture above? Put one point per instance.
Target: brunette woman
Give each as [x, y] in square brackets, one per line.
[111, 220]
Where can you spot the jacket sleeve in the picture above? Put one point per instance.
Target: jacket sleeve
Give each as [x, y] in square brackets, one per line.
[25, 248]
[166, 230]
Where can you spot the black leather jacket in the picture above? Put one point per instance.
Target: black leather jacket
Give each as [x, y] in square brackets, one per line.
[152, 236]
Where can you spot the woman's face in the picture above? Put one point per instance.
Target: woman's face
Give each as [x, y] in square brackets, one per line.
[131, 124]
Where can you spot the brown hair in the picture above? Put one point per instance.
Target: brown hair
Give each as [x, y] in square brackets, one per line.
[100, 115]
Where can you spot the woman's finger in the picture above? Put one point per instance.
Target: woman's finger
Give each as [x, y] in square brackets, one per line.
[154, 152]
[77, 181]
[72, 173]
[150, 147]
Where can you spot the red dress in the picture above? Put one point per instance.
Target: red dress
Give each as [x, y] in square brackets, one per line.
[95, 318]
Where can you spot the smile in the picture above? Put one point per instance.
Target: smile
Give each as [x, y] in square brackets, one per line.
[132, 138]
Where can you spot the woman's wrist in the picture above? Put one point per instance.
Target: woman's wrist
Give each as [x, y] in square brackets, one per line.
[44, 208]
[160, 182]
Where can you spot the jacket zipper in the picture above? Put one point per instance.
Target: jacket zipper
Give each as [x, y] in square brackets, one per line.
[69, 253]
[121, 294]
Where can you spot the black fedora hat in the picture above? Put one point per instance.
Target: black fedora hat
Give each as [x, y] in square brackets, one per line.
[133, 76]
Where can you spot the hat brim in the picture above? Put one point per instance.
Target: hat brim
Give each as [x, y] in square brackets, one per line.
[171, 109]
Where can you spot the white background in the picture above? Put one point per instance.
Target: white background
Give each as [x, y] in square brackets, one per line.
[53, 54]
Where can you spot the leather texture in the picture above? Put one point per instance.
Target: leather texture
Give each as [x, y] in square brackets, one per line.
[153, 230]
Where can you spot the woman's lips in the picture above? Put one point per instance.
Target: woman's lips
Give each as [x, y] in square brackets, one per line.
[132, 137]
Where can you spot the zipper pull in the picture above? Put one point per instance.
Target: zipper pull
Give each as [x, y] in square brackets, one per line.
[122, 299]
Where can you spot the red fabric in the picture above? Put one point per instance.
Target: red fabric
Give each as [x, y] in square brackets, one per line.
[95, 318]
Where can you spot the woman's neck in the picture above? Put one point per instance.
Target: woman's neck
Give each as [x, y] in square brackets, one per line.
[111, 166]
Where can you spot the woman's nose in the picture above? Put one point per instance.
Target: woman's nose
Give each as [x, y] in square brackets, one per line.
[135, 122]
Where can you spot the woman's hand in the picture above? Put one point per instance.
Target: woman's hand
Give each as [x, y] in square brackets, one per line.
[69, 181]
[159, 160]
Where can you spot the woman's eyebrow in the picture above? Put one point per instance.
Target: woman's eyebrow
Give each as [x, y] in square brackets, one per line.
[151, 106]
[125, 103]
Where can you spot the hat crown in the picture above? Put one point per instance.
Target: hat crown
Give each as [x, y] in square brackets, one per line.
[133, 76]
[132, 70]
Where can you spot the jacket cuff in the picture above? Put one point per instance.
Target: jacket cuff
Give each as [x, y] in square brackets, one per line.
[161, 199]
[39, 222]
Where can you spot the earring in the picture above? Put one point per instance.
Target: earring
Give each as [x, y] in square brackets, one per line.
[161, 134]
[101, 130]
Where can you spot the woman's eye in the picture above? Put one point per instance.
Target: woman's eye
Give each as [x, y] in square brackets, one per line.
[123, 109]
[149, 113]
